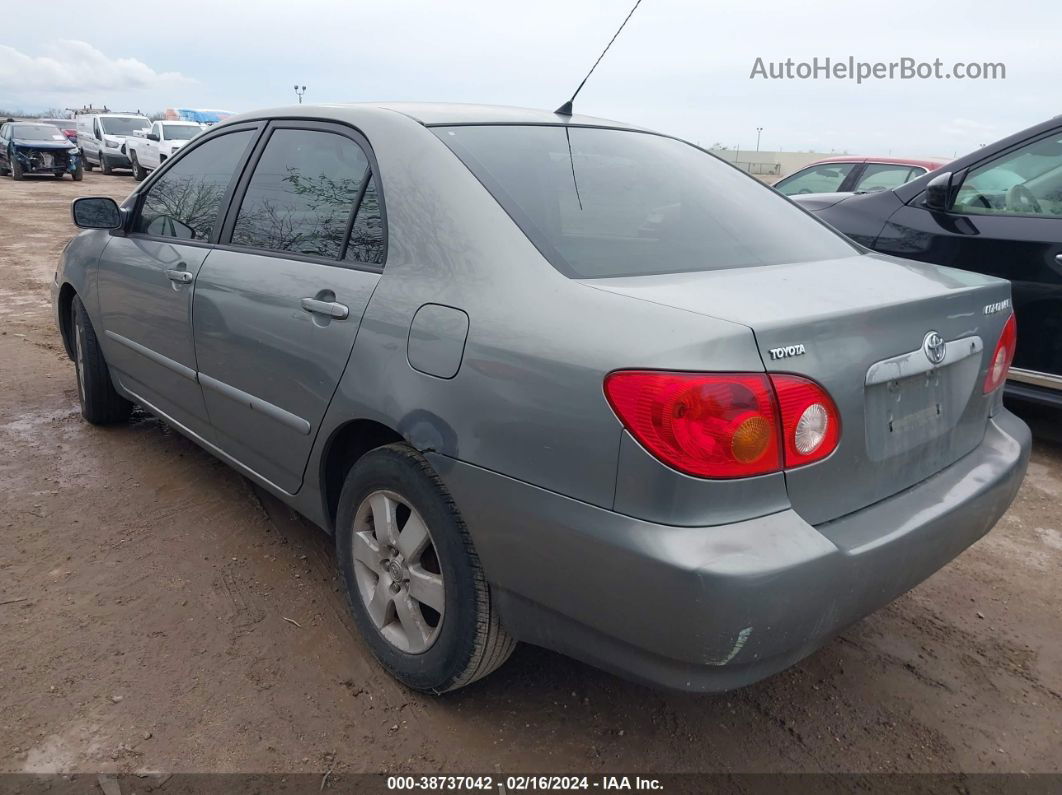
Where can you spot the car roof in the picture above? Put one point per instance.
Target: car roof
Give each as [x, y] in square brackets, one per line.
[436, 114]
[889, 161]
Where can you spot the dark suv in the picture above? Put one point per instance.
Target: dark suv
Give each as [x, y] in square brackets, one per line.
[997, 211]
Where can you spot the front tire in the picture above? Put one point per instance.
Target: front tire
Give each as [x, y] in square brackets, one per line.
[413, 579]
[85, 161]
[100, 402]
[16, 169]
[105, 164]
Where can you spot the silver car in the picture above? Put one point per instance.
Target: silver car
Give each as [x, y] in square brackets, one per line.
[551, 379]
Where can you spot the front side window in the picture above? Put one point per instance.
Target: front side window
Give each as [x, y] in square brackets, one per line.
[824, 178]
[881, 176]
[1027, 181]
[123, 125]
[185, 200]
[599, 202]
[302, 194]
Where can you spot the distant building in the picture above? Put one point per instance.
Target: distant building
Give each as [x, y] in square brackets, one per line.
[770, 167]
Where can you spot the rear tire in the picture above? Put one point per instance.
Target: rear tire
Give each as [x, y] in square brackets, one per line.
[466, 641]
[138, 170]
[79, 173]
[105, 165]
[100, 402]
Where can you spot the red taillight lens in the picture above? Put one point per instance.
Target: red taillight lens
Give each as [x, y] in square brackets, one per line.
[718, 425]
[811, 424]
[1002, 356]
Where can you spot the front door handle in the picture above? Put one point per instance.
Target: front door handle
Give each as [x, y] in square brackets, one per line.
[181, 277]
[1058, 258]
[327, 308]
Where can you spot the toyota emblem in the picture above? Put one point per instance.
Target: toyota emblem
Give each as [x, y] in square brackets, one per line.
[934, 347]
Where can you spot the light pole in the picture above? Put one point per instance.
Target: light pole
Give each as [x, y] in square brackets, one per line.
[299, 91]
[759, 132]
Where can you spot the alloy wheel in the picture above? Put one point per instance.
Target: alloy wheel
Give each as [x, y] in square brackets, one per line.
[397, 571]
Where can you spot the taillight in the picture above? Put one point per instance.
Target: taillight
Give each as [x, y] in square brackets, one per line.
[725, 425]
[1002, 356]
[717, 425]
[811, 424]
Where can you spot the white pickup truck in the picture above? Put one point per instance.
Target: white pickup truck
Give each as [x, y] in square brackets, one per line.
[148, 149]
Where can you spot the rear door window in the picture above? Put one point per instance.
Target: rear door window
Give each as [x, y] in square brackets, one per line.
[302, 195]
[184, 202]
[825, 178]
[883, 176]
[367, 234]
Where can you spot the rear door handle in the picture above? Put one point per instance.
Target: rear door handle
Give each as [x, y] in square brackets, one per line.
[1058, 258]
[327, 308]
[181, 277]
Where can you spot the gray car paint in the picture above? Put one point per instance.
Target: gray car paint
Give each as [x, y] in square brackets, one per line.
[522, 426]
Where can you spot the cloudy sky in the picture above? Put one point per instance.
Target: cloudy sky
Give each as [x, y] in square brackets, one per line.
[680, 66]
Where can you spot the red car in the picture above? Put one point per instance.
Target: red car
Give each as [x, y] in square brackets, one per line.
[848, 174]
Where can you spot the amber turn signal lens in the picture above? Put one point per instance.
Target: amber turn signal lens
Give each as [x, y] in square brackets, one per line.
[751, 439]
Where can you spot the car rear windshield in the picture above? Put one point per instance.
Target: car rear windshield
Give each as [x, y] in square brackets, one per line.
[36, 132]
[599, 202]
[122, 125]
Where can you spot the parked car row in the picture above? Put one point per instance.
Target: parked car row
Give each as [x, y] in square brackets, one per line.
[833, 178]
[515, 361]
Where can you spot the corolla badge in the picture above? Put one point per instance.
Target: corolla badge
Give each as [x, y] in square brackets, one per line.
[934, 347]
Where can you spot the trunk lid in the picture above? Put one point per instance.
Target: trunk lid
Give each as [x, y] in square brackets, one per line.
[858, 326]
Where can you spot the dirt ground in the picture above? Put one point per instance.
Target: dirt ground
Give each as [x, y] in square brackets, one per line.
[145, 587]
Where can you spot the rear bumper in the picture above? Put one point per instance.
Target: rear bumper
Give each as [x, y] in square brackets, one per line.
[714, 608]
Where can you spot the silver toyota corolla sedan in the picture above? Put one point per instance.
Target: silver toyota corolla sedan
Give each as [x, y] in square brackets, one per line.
[551, 379]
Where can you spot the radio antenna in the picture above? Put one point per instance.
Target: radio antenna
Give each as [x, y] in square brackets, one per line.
[566, 108]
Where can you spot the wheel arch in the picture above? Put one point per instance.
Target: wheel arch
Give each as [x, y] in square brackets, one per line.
[65, 306]
[347, 444]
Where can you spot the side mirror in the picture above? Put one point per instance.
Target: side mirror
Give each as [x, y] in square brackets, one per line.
[152, 136]
[96, 212]
[938, 192]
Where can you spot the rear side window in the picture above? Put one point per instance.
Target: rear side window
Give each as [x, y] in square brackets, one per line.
[823, 178]
[599, 202]
[303, 193]
[183, 203]
[883, 176]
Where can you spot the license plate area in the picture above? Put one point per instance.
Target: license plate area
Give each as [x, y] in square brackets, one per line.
[908, 405]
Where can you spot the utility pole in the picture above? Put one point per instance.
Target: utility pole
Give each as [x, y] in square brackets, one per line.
[759, 132]
[299, 91]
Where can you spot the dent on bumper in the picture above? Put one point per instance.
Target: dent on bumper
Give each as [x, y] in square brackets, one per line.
[713, 608]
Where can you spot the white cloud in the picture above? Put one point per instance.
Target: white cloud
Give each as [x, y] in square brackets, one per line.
[73, 66]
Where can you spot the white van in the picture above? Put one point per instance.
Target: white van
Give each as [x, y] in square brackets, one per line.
[101, 138]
